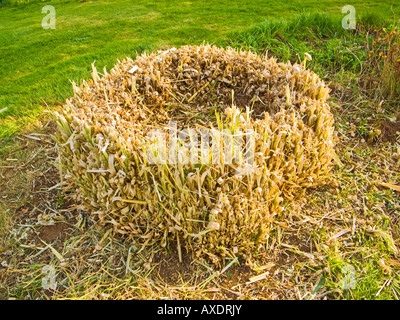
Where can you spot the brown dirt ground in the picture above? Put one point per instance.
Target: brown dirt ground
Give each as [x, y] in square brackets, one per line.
[390, 130]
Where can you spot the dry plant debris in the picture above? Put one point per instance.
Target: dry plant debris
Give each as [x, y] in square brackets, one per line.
[302, 258]
[211, 208]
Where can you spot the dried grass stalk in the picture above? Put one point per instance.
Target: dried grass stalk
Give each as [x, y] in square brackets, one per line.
[213, 210]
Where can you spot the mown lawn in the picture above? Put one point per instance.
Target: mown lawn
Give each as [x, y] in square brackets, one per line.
[37, 64]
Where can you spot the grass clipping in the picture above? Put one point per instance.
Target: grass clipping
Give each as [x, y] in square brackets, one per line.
[214, 207]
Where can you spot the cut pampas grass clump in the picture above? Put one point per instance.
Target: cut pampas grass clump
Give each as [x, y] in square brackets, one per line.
[201, 146]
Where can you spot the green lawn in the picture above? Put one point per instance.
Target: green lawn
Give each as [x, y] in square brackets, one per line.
[37, 64]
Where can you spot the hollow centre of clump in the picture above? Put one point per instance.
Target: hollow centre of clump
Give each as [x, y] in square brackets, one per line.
[194, 83]
[205, 114]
